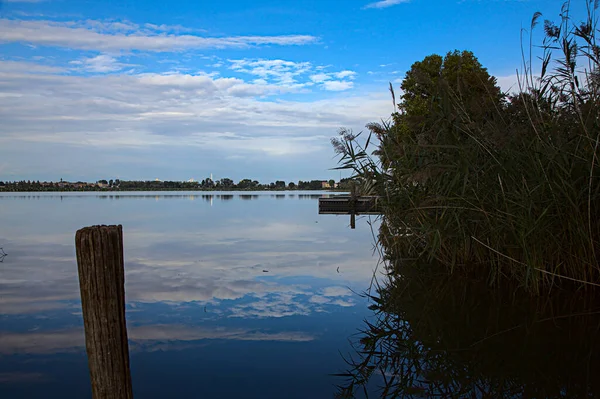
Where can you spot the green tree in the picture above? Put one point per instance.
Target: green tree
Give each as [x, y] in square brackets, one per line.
[436, 82]
[443, 98]
[226, 182]
[244, 183]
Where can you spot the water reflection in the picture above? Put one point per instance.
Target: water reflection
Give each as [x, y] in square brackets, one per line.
[254, 290]
[434, 336]
[191, 195]
[142, 338]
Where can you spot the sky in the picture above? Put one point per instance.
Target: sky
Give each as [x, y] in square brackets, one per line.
[178, 90]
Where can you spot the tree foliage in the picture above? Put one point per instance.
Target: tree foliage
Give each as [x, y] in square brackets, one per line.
[481, 180]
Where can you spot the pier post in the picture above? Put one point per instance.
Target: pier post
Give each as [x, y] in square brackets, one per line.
[102, 285]
[353, 205]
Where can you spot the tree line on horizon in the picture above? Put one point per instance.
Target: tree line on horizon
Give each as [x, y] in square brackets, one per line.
[151, 185]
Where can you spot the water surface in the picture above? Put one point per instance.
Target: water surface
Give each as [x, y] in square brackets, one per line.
[245, 295]
[254, 295]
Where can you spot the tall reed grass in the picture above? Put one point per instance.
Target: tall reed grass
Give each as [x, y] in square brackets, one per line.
[486, 182]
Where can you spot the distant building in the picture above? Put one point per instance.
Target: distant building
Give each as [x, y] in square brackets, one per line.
[325, 184]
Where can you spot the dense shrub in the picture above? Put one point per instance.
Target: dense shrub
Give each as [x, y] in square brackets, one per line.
[480, 180]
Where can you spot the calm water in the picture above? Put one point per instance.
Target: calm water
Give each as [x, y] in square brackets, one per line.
[239, 295]
[253, 295]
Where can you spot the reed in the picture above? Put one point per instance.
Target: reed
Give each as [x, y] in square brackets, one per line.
[502, 184]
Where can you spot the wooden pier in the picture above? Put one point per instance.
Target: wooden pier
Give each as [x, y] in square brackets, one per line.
[349, 205]
[345, 205]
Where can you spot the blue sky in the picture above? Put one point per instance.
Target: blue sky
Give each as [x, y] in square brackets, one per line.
[182, 89]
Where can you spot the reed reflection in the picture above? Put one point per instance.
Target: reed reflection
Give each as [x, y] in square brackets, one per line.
[434, 335]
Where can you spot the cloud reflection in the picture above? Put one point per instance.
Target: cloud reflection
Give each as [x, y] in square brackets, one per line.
[268, 254]
[22, 377]
[142, 338]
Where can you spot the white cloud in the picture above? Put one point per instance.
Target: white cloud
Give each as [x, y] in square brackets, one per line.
[172, 28]
[325, 79]
[294, 75]
[337, 85]
[284, 72]
[508, 84]
[117, 36]
[345, 74]
[102, 63]
[21, 67]
[222, 115]
[385, 3]
[320, 77]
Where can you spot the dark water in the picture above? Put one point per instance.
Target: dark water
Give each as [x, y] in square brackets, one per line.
[229, 295]
[435, 336]
[250, 295]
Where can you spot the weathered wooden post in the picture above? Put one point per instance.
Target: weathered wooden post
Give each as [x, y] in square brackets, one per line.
[102, 285]
[353, 205]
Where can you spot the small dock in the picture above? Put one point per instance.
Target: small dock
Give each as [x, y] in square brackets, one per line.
[349, 205]
[345, 205]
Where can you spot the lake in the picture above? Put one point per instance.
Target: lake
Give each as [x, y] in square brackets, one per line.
[240, 294]
[255, 295]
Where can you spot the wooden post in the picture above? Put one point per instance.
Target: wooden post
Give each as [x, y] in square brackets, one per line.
[353, 205]
[102, 285]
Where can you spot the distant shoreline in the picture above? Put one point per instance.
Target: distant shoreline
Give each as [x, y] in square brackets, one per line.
[112, 190]
[117, 185]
